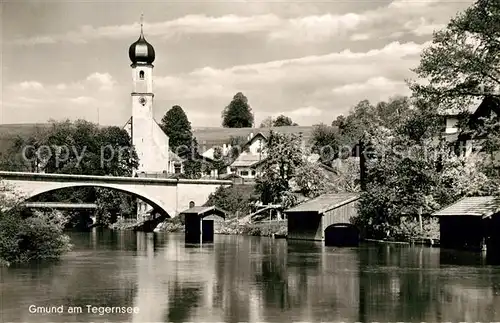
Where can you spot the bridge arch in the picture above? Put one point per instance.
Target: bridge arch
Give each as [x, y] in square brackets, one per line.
[342, 234]
[50, 187]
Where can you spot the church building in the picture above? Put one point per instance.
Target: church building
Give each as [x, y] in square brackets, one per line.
[150, 142]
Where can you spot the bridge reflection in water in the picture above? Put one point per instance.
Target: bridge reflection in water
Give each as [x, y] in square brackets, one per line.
[252, 279]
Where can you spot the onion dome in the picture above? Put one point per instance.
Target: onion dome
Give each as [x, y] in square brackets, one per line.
[141, 52]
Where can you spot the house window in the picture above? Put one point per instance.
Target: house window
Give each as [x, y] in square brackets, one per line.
[177, 168]
[244, 173]
[141, 75]
[253, 173]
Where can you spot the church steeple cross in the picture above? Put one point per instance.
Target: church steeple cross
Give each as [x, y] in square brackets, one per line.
[142, 22]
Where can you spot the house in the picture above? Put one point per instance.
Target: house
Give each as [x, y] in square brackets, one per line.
[250, 157]
[201, 222]
[326, 218]
[175, 164]
[461, 139]
[470, 223]
[214, 160]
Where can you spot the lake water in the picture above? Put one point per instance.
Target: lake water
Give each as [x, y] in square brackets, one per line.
[159, 278]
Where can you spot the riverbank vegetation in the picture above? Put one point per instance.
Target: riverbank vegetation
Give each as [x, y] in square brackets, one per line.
[26, 236]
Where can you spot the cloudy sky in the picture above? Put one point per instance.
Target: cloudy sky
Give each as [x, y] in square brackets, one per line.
[310, 60]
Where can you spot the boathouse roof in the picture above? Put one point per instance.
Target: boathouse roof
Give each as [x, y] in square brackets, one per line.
[325, 202]
[483, 206]
[205, 211]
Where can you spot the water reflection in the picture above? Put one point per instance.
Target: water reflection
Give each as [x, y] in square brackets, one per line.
[251, 279]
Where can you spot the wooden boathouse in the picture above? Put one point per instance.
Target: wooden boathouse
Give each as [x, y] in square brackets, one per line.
[326, 218]
[201, 222]
[471, 223]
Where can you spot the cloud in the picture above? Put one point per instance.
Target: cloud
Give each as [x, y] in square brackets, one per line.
[309, 111]
[422, 27]
[190, 24]
[79, 99]
[411, 4]
[104, 80]
[308, 89]
[317, 28]
[28, 85]
[379, 83]
[357, 37]
[82, 100]
[306, 28]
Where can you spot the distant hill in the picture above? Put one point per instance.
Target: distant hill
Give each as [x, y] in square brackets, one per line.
[207, 136]
[8, 132]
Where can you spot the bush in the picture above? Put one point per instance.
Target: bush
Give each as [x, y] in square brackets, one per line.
[37, 237]
[409, 229]
[234, 198]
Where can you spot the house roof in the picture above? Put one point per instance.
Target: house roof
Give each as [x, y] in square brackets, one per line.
[325, 202]
[209, 153]
[205, 211]
[488, 105]
[247, 160]
[471, 107]
[483, 206]
[254, 137]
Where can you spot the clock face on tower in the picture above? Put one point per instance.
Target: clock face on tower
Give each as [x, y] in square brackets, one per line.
[142, 100]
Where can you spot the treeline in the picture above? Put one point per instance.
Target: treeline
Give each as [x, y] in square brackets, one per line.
[79, 147]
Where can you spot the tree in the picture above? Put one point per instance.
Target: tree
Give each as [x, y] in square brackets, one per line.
[177, 127]
[286, 171]
[236, 198]
[463, 62]
[414, 172]
[325, 142]
[267, 122]
[282, 121]
[284, 157]
[365, 119]
[220, 160]
[27, 238]
[238, 113]
[79, 147]
[312, 181]
[347, 175]
[339, 122]
[193, 164]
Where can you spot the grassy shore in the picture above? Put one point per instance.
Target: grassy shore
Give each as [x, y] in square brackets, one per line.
[277, 228]
[231, 226]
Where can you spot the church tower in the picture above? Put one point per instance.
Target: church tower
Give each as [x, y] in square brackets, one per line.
[149, 140]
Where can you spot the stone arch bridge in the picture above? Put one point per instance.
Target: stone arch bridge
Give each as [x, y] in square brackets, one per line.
[168, 196]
